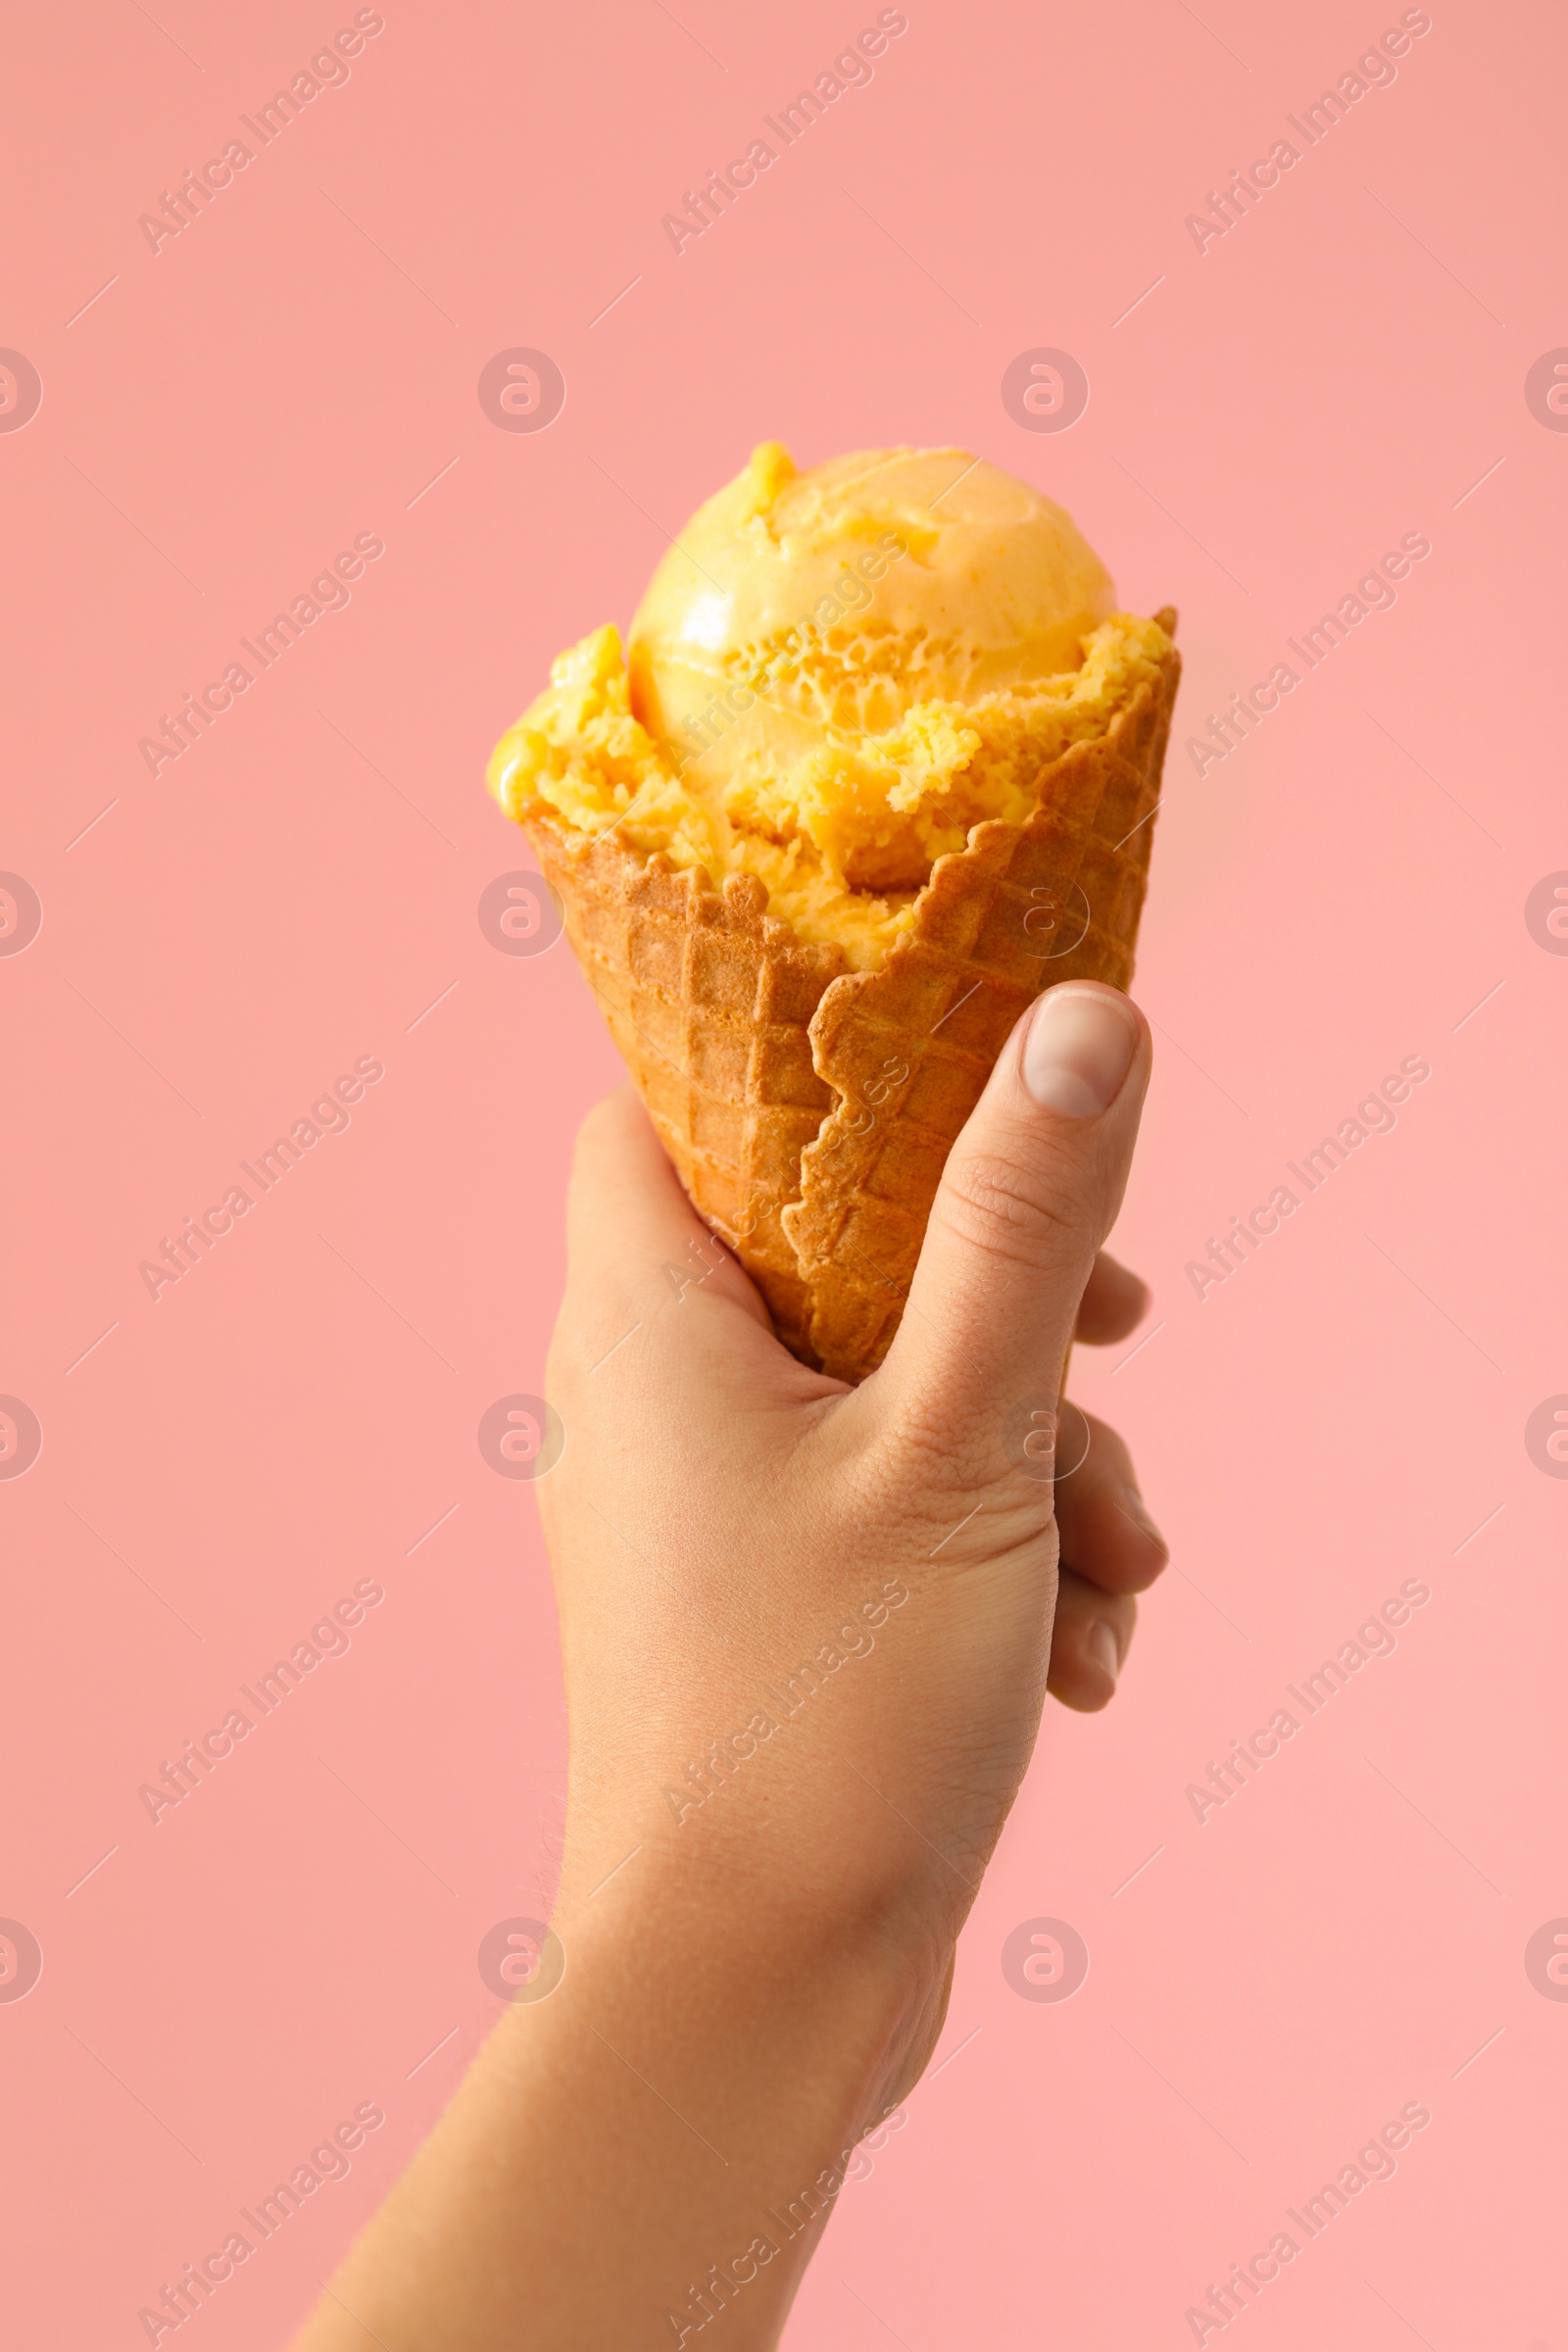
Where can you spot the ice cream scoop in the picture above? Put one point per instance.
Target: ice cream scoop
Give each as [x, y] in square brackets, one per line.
[797, 606]
[833, 678]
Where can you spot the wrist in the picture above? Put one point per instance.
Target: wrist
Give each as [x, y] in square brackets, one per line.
[700, 2090]
[730, 2074]
[826, 1950]
[790, 1848]
[828, 2007]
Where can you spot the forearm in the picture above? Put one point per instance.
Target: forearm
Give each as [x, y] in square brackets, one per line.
[657, 2141]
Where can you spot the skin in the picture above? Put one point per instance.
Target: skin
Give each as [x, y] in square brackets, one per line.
[756, 1975]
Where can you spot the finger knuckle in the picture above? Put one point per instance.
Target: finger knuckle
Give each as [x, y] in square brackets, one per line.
[996, 1203]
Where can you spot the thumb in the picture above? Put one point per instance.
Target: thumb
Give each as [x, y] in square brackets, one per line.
[1031, 1189]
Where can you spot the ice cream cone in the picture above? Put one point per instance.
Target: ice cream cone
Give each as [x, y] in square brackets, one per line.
[880, 764]
[809, 1109]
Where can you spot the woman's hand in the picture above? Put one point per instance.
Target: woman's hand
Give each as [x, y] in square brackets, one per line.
[805, 1627]
[807, 1632]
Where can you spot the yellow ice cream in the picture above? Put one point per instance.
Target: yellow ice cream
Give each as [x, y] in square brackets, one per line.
[832, 677]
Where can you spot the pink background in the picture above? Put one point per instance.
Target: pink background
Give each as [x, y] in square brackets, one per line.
[298, 367]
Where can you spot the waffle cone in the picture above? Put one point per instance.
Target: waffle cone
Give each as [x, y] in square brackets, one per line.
[810, 1109]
